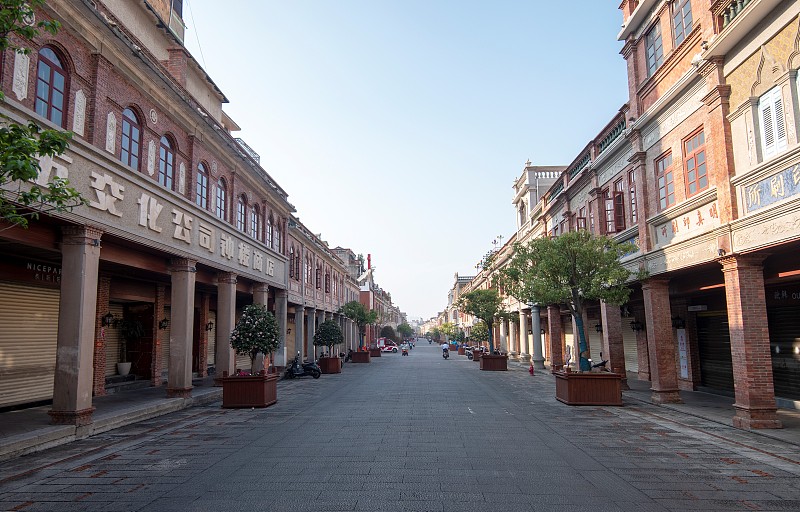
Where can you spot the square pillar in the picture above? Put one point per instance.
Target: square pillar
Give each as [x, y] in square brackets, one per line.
[749, 333]
[179, 380]
[660, 342]
[299, 331]
[156, 362]
[226, 321]
[556, 335]
[311, 328]
[202, 363]
[613, 347]
[74, 373]
[281, 313]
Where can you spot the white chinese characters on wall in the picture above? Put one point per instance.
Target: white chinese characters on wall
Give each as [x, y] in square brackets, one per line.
[687, 225]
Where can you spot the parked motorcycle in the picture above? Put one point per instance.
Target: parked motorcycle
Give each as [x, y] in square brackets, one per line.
[297, 369]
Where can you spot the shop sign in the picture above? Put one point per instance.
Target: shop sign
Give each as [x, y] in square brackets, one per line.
[683, 353]
[770, 190]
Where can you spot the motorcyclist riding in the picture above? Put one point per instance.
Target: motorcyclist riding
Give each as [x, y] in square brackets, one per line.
[445, 350]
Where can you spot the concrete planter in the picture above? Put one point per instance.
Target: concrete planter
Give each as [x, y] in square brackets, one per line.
[250, 391]
[330, 364]
[361, 357]
[374, 352]
[492, 363]
[588, 388]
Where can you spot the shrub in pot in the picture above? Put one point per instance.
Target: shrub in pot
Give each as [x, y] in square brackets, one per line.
[329, 334]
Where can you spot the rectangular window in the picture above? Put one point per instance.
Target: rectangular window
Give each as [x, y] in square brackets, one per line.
[591, 217]
[666, 187]
[694, 150]
[654, 50]
[681, 20]
[580, 222]
[608, 210]
[619, 206]
[632, 194]
[318, 280]
[773, 123]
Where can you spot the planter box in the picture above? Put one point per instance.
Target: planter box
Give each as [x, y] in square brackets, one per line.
[250, 391]
[360, 357]
[330, 364]
[461, 351]
[587, 388]
[375, 352]
[476, 356]
[494, 363]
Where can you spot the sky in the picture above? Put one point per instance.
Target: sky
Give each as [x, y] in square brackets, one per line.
[398, 127]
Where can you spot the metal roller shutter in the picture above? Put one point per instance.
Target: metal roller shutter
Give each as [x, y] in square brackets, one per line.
[212, 339]
[112, 341]
[630, 346]
[784, 336]
[714, 345]
[164, 335]
[28, 340]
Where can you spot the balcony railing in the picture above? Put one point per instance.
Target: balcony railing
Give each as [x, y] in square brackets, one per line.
[732, 10]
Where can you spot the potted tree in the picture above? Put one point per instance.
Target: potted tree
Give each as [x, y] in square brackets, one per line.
[485, 305]
[478, 335]
[255, 332]
[362, 317]
[130, 330]
[329, 335]
[571, 269]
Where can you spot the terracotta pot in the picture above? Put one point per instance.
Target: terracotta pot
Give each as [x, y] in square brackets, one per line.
[361, 357]
[330, 364]
[588, 388]
[494, 363]
[250, 391]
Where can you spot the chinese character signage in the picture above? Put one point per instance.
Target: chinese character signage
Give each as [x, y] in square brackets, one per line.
[772, 189]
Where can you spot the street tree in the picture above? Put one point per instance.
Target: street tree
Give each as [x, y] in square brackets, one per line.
[362, 317]
[405, 330]
[328, 334]
[569, 269]
[479, 334]
[22, 196]
[256, 332]
[448, 329]
[485, 305]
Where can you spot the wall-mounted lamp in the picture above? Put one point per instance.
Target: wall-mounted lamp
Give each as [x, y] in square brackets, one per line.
[721, 252]
[288, 331]
[163, 323]
[108, 319]
[678, 322]
[209, 326]
[598, 327]
[542, 331]
[637, 326]
[530, 331]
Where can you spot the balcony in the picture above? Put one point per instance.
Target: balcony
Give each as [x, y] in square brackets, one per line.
[734, 8]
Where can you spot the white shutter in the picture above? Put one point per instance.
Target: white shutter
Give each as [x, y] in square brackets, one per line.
[773, 123]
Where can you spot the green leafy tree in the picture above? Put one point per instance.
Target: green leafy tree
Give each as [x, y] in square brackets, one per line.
[435, 333]
[388, 332]
[405, 330]
[361, 316]
[479, 333]
[255, 332]
[448, 329]
[22, 145]
[485, 305]
[570, 269]
[328, 335]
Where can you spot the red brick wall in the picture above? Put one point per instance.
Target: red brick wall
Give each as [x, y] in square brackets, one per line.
[99, 365]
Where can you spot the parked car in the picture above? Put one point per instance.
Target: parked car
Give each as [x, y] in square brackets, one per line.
[387, 345]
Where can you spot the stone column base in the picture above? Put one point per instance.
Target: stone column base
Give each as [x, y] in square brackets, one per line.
[524, 358]
[749, 419]
[77, 418]
[179, 392]
[538, 364]
[666, 397]
[513, 356]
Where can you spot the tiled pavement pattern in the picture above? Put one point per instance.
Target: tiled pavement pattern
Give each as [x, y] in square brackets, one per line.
[412, 433]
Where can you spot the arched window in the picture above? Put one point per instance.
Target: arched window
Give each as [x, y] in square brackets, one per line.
[268, 237]
[241, 213]
[309, 271]
[291, 262]
[255, 222]
[166, 163]
[131, 139]
[318, 280]
[278, 239]
[327, 282]
[221, 195]
[51, 87]
[201, 186]
[297, 266]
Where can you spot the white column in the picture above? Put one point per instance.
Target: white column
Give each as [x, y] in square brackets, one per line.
[179, 380]
[281, 309]
[536, 334]
[226, 319]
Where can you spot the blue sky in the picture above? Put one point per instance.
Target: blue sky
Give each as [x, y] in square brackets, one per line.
[397, 127]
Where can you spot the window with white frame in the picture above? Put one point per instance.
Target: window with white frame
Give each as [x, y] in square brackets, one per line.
[654, 50]
[773, 123]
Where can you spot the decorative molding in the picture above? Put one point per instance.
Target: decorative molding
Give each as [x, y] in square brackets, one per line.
[21, 70]
[79, 118]
[111, 132]
[182, 178]
[151, 157]
[153, 116]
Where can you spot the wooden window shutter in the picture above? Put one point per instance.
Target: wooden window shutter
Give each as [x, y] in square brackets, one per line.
[773, 123]
[619, 211]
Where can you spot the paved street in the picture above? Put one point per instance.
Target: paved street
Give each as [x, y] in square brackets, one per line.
[412, 433]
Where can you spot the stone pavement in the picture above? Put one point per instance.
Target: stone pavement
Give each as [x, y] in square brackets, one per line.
[416, 433]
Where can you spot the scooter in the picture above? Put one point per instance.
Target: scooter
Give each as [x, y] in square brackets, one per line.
[446, 354]
[296, 369]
